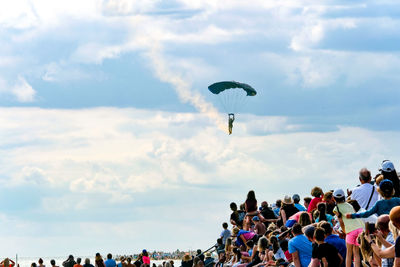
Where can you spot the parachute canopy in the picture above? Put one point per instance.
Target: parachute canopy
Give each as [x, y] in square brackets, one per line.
[232, 95]
[218, 87]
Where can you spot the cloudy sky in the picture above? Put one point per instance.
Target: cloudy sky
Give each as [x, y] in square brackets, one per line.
[111, 142]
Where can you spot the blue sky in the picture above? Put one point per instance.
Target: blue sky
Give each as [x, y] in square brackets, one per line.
[111, 140]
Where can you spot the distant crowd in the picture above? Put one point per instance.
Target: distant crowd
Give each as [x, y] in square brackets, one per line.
[329, 228]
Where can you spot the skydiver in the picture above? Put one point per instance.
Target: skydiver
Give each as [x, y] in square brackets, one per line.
[231, 117]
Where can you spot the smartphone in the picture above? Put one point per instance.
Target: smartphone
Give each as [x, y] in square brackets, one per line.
[370, 228]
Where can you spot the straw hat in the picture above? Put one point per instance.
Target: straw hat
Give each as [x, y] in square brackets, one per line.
[287, 200]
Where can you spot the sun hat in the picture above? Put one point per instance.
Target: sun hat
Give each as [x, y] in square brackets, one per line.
[255, 218]
[208, 255]
[338, 193]
[387, 166]
[296, 197]
[287, 200]
[386, 186]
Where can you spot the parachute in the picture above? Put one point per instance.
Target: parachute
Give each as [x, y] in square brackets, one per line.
[231, 94]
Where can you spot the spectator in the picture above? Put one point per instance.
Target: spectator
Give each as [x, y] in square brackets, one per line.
[110, 262]
[334, 240]
[317, 193]
[352, 228]
[201, 255]
[389, 172]
[365, 194]
[209, 261]
[78, 262]
[300, 247]
[99, 260]
[53, 263]
[87, 263]
[277, 208]
[187, 261]
[296, 200]
[70, 262]
[307, 201]
[225, 234]
[288, 209]
[325, 252]
[267, 213]
[145, 258]
[330, 202]
[237, 217]
[259, 227]
[322, 215]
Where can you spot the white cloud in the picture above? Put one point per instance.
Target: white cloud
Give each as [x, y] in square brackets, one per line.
[23, 91]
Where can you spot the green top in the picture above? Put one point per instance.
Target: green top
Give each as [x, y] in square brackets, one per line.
[349, 224]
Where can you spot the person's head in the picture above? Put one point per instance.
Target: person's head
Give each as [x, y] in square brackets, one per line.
[33, 264]
[235, 231]
[233, 206]
[394, 216]
[262, 244]
[296, 198]
[129, 259]
[387, 167]
[228, 243]
[219, 241]
[251, 195]
[386, 188]
[317, 192]
[264, 204]
[250, 243]
[307, 201]
[327, 228]
[383, 223]
[284, 244]
[321, 207]
[98, 254]
[364, 176]
[355, 204]
[196, 261]
[221, 256]
[339, 196]
[109, 256]
[145, 253]
[304, 219]
[40, 261]
[168, 264]
[328, 197]
[278, 203]
[53, 262]
[309, 232]
[78, 260]
[225, 225]
[287, 201]
[297, 229]
[319, 234]
[256, 219]
[87, 261]
[6, 262]
[275, 243]
[198, 251]
[186, 257]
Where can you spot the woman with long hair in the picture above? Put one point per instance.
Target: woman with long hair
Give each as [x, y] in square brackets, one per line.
[287, 210]
[322, 215]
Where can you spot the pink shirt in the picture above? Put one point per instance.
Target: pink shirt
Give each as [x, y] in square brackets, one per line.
[146, 260]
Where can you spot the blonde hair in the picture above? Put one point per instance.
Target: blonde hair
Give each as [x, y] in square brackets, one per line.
[394, 230]
[228, 244]
[379, 179]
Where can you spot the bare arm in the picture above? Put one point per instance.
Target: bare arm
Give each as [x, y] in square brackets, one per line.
[283, 215]
[325, 262]
[296, 259]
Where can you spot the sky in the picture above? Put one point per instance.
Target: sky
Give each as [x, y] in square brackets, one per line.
[111, 142]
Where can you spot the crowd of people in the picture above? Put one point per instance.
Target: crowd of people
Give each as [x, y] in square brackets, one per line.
[359, 227]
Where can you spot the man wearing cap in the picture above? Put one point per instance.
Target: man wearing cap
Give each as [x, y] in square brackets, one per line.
[296, 200]
[389, 172]
[365, 194]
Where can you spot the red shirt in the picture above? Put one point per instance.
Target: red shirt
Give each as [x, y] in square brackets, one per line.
[313, 204]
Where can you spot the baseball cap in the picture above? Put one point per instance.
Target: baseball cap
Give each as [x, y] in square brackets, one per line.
[309, 231]
[296, 197]
[338, 193]
[255, 218]
[387, 166]
[386, 186]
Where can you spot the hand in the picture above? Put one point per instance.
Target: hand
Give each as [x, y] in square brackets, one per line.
[348, 216]
[368, 238]
[379, 234]
[349, 192]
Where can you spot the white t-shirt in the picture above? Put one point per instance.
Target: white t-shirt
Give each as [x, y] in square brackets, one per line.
[362, 194]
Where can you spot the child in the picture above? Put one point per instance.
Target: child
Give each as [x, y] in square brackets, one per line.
[352, 227]
[326, 253]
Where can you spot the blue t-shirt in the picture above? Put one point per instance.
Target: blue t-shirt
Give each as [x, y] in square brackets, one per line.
[381, 207]
[110, 263]
[339, 244]
[300, 207]
[301, 244]
[225, 234]
[329, 219]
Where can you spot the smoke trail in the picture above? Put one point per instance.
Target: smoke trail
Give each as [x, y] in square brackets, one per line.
[182, 87]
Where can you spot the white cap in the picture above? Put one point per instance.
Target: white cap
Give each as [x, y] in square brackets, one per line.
[387, 166]
[338, 193]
